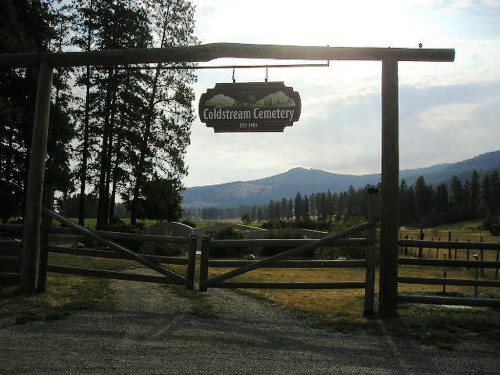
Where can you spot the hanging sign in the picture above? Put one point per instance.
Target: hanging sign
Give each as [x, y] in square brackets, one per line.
[249, 107]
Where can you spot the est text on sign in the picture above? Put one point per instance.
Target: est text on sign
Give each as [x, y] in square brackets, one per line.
[249, 107]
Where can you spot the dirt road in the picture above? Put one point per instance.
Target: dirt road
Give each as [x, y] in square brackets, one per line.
[153, 331]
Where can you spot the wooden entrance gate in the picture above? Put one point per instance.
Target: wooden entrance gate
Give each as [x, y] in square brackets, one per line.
[280, 260]
[108, 248]
[390, 58]
[169, 276]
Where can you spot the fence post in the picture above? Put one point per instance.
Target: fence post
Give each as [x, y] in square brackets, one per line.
[481, 252]
[48, 202]
[476, 276]
[204, 259]
[445, 275]
[468, 252]
[498, 259]
[370, 254]
[191, 266]
[33, 210]
[420, 248]
[449, 249]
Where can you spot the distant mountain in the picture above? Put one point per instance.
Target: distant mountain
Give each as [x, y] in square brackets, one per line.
[308, 181]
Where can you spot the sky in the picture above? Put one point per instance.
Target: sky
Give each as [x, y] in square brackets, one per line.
[448, 111]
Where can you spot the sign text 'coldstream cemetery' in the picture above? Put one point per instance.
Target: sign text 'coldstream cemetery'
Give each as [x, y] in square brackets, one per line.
[249, 107]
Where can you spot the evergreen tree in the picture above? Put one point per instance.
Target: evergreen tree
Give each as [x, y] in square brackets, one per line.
[475, 194]
[30, 26]
[423, 200]
[166, 127]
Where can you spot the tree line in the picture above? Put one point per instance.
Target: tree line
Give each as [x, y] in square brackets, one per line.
[421, 204]
[115, 132]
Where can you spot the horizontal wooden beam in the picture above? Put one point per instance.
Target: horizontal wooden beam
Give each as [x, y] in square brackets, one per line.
[448, 281]
[292, 263]
[128, 236]
[208, 52]
[10, 259]
[448, 263]
[112, 275]
[287, 243]
[450, 244]
[288, 285]
[114, 255]
[454, 301]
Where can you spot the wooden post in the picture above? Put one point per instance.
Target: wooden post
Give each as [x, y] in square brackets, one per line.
[445, 275]
[370, 254]
[388, 284]
[33, 211]
[497, 259]
[481, 256]
[48, 202]
[449, 249]
[205, 258]
[420, 248]
[191, 266]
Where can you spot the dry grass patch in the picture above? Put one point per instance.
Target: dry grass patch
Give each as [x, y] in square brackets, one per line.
[342, 310]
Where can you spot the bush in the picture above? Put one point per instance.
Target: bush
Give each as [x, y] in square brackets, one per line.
[495, 229]
[285, 234]
[162, 248]
[121, 227]
[346, 252]
[229, 233]
[189, 223]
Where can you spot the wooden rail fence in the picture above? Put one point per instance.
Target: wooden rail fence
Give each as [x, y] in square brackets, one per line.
[478, 265]
[281, 260]
[10, 256]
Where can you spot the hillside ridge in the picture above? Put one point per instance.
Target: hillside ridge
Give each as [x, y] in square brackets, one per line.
[310, 180]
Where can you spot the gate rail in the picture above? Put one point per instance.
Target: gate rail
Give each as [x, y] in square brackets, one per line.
[279, 261]
[12, 260]
[171, 276]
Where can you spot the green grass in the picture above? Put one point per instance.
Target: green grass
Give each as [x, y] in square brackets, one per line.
[445, 327]
[65, 294]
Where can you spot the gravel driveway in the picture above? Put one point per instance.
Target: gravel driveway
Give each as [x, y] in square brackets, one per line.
[152, 331]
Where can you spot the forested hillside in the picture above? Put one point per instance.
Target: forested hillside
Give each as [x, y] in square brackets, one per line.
[421, 204]
[309, 181]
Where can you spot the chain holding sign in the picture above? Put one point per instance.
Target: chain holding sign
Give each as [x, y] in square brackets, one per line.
[249, 107]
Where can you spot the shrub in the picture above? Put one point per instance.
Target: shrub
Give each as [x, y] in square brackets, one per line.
[285, 234]
[495, 229]
[229, 233]
[189, 223]
[121, 227]
[162, 248]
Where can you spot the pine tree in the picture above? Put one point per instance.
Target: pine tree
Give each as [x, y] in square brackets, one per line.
[166, 128]
[29, 26]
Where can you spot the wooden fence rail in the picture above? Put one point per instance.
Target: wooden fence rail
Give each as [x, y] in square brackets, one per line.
[478, 265]
[10, 253]
[295, 247]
